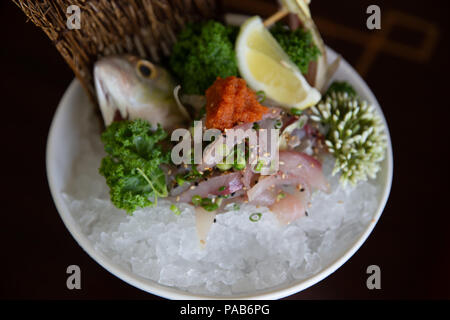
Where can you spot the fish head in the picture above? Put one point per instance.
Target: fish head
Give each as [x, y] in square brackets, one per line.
[129, 87]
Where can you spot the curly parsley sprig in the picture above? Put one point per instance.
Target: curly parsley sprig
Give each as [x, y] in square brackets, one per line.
[132, 165]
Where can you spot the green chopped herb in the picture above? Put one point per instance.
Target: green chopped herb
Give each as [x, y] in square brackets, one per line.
[196, 200]
[222, 188]
[261, 96]
[280, 196]
[278, 124]
[255, 217]
[236, 206]
[224, 166]
[206, 201]
[179, 178]
[259, 165]
[175, 209]
[239, 162]
[210, 207]
[256, 126]
[296, 112]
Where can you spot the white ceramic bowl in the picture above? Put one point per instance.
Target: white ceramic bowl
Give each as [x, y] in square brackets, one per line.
[62, 147]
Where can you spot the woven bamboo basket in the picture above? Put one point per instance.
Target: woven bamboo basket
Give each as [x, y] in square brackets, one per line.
[145, 28]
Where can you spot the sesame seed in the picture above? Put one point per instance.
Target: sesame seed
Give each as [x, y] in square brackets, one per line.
[169, 172]
[177, 198]
[282, 163]
[192, 187]
[299, 165]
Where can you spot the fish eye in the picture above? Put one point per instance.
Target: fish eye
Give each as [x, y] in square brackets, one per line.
[146, 69]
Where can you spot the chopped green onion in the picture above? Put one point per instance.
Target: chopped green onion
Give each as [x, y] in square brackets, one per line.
[208, 204]
[211, 207]
[280, 196]
[254, 217]
[224, 166]
[259, 165]
[239, 163]
[197, 200]
[239, 166]
[236, 206]
[222, 188]
[175, 209]
[206, 201]
[218, 201]
[261, 96]
[180, 179]
[296, 112]
[256, 126]
[302, 121]
[278, 124]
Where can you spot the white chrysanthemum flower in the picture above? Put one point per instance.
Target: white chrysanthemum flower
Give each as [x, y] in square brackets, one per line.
[356, 135]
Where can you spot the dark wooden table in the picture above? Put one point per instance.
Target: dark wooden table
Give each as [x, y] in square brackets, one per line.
[408, 73]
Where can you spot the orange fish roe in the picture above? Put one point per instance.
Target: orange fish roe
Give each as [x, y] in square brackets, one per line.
[230, 102]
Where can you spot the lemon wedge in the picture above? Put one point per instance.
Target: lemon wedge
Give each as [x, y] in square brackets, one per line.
[265, 66]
